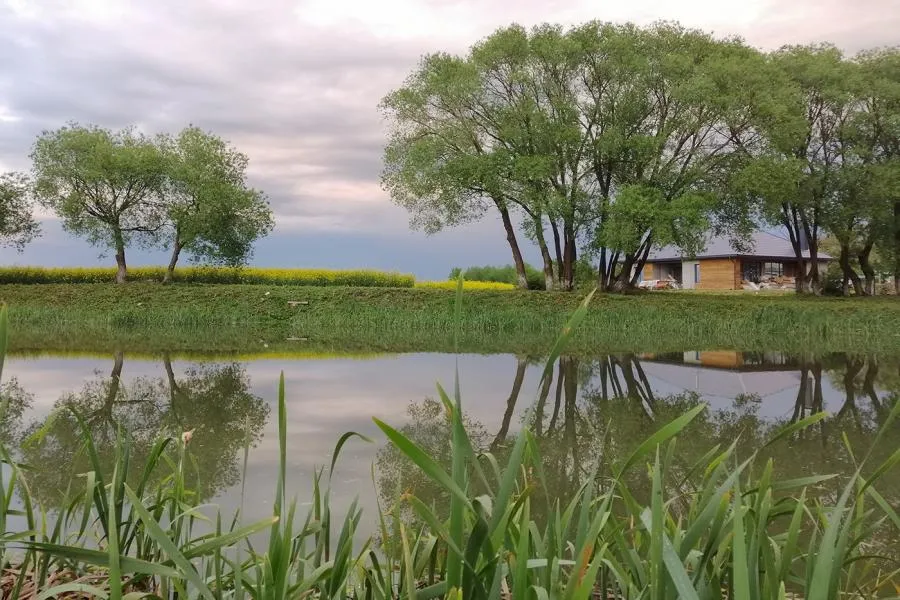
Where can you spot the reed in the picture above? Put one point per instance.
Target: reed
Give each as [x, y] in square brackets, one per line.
[724, 525]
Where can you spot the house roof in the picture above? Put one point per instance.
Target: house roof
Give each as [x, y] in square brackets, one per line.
[762, 243]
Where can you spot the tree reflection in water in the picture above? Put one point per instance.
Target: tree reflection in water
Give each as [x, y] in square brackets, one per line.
[212, 400]
[601, 409]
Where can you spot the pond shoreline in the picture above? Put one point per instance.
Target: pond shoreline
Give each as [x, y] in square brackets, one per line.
[256, 318]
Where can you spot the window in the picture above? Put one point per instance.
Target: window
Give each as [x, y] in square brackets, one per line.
[773, 269]
[696, 272]
[761, 271]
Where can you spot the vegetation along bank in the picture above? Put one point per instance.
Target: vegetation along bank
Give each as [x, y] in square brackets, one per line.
[244, 318]
[721, 526]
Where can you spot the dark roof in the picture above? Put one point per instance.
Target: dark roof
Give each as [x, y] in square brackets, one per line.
[762, 243]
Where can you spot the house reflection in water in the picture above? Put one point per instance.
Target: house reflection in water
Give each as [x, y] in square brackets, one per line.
[786, 386]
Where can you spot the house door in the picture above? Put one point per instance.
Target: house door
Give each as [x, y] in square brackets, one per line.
[689, 270]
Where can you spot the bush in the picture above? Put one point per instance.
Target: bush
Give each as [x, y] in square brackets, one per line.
[222, 275]
[501, 274]
[467, 285]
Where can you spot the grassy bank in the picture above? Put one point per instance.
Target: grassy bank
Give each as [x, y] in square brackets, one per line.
[245, 318]
[637, 523]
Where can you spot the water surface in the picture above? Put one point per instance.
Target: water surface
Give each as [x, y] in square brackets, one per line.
[605, 403]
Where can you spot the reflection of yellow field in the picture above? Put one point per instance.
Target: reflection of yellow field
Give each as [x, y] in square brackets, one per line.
[240, 356]
[725, 358]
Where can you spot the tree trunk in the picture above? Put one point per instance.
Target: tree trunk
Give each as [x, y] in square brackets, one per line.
[813, 281]
[549, 278]
[121, 267]
[849, 272]
[897, 247]
[867, 269]
[514, 246]
[601, 271]
[642, 260]
[620, 283]
[569, 257]
[176, 251]
[541, 403]
[510, 404]
[558, 248]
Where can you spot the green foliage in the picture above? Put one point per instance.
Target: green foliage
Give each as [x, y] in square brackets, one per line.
[498, 274]
[622, 139]
[213, 215]
[103, 185]
[17, 224]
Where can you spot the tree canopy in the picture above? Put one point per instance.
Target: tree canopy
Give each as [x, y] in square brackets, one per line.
[17, 224]
[186, 193]
[212, 213]
[104, 185]
[613, 140]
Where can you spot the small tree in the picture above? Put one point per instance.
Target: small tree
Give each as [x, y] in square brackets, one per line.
[104, 185]
[17, 224]
[212, 213]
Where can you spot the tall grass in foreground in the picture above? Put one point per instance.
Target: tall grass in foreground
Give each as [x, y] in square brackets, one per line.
[720, 527]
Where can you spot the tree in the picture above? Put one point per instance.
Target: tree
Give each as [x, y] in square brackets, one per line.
[557, 124]
[671, 114]
[877, 138]
[211, 212]
[530, 110]
[104, 185]
[796, 174]
[439, 162]
[17, 224]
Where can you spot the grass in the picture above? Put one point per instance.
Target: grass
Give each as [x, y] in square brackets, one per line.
[723, 523]
[248, 319]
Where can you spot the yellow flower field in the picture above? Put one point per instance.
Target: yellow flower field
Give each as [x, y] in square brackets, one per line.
[224, 275]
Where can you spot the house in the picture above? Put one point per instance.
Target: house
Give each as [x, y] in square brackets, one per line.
[770, 263]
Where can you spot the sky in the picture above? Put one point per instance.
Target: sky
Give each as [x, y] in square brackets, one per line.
[295, 84]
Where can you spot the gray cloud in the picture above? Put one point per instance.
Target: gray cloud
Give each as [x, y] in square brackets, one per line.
[295, 85]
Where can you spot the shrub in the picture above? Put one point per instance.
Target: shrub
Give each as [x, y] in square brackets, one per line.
[222, 275]
[501, 274]
[467, 285]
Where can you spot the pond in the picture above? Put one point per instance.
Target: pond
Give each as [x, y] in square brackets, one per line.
[593, 406]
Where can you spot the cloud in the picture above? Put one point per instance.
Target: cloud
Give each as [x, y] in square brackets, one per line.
[295, 83]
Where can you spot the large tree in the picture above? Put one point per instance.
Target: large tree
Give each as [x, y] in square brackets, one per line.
[17, 224]
[798, 174]
[212, 213]
[877, 144]
[555, 125]
[104, 185]
[440, 162]
[671, 112]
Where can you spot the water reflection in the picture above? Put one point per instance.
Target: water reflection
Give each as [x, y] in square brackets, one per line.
[600, 409]
[592, 407]
[212, 400]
